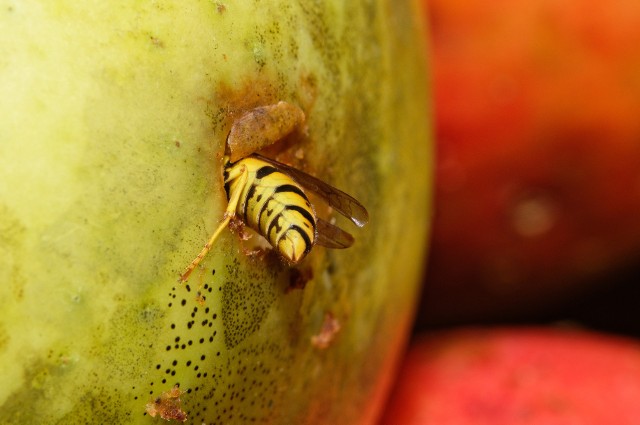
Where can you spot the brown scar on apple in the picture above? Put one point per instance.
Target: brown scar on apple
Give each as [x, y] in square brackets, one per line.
[237, 226]
[298, 278]
[262, 127]
[253, 250]
[168, 405]
[328, 331]
[291, 108]
[201, 299]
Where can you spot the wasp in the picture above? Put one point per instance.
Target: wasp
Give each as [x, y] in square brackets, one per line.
[270, 198]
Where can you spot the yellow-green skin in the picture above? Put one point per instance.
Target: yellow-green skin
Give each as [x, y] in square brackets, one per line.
[113, 122]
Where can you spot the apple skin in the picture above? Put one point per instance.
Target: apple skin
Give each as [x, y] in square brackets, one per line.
[511, 376]
[114, 117]
[538, 153]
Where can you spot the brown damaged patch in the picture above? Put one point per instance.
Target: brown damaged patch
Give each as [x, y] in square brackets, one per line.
[255, 248]
[221, 8]
[201, 298]
[238, 99]
[168, 406]
[262, 127]
[298, 278]
[330, 328]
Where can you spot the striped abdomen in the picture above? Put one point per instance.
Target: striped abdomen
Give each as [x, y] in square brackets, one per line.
[275, 206]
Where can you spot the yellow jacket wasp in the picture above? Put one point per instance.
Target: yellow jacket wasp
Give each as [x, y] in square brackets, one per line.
[269, 196]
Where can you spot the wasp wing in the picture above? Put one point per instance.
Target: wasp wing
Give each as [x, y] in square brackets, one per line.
[332, 236]
[343, 203]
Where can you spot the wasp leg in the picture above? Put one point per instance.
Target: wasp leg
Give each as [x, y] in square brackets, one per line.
[242, 174]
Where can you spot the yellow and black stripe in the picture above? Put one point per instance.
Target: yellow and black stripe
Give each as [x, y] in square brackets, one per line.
[268, 196]
[274, 205]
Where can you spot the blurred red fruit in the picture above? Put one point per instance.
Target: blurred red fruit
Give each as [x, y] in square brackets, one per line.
[538, 127]
[518, 376]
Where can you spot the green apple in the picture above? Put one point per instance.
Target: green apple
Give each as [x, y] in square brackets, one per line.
[114, 120]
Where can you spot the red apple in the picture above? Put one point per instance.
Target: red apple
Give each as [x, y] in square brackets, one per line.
[537, 107]
[518, 376]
